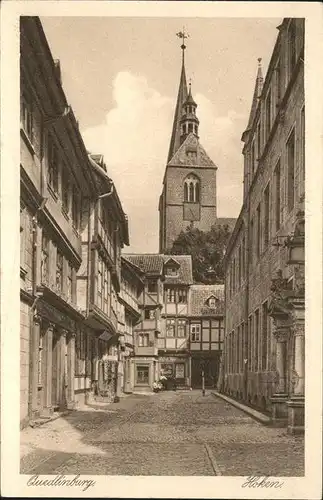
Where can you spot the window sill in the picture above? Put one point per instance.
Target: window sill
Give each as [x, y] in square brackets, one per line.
[27, 141]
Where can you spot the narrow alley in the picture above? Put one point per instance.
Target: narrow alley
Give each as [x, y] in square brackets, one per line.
[171, 433]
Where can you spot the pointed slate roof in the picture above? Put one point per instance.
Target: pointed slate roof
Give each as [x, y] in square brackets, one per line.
[181, 98]
[256, 94]
[191, 153]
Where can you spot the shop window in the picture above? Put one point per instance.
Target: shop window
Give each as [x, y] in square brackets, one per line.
[180, 370]
[142, 374]
[195, 332]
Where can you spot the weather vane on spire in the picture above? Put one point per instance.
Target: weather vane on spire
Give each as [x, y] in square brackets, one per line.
[183, 35]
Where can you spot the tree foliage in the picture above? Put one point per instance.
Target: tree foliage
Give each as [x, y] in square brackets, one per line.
[207, 249]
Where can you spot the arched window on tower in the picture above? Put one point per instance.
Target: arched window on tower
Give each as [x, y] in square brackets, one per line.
[190, 127]
[192, 189]
[185, 191]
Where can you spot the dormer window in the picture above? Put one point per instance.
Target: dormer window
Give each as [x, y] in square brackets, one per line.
[212, 302]
[171, 267]
[171, 271]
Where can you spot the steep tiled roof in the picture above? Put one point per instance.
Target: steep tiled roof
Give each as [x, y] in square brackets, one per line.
[153, 264]
[184, 156]
[198, 300]
[148, 263]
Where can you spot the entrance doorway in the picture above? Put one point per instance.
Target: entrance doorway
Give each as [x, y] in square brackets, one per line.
[56, 369]
[210, 365]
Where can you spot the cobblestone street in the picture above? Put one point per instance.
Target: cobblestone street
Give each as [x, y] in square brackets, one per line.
[171, 433]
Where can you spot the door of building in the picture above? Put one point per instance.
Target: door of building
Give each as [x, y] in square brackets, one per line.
[210, 365]
[56, 369]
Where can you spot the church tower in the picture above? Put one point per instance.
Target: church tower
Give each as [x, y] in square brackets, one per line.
[189, 187]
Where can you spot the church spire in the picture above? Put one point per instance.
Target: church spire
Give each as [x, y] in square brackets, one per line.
[175, 140]
[256, 93]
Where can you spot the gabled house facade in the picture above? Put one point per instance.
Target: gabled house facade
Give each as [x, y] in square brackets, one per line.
[161, 336]
[206, 339]
[173, 349]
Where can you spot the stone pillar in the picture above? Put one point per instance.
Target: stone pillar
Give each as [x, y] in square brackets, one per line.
[299, 357]
[48, 409]
[71, 371]
[296, 401]
[34, 354]
[280, 396]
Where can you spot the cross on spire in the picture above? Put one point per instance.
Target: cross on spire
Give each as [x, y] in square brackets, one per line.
[183, 35]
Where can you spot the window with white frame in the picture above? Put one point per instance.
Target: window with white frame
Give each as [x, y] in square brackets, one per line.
[182, 296]
[143, 339]
[195, 332]
[170, 295]
[181, 328]
[170, 328]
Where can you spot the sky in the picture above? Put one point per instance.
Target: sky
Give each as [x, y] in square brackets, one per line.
[121, 77]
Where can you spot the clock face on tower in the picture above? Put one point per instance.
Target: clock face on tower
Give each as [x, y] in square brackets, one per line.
[191, 211]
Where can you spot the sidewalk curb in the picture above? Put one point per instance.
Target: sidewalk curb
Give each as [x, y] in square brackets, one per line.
[257, 415]
[45, 420]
